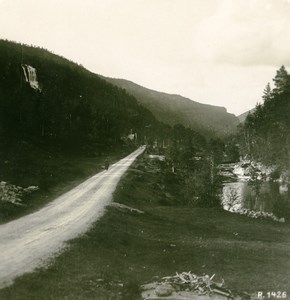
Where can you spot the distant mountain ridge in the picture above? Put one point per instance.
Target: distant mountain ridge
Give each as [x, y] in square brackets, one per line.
[174, 109]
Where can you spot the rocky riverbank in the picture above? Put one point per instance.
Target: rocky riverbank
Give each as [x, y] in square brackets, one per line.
[253, 189]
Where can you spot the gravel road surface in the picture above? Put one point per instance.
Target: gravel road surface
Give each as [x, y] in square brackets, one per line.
[29, 242]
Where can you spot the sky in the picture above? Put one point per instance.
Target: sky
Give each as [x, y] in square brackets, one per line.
[220, 52]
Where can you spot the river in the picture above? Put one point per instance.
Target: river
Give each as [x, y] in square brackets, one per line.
[247, 190]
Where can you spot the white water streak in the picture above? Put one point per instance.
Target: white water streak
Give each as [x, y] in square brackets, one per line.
[31, 76]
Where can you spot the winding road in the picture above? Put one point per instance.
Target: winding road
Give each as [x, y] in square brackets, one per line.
[28, 242]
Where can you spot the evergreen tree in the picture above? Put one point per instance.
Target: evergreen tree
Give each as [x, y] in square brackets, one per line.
[281, 81]
[267, 130]
[267, 93]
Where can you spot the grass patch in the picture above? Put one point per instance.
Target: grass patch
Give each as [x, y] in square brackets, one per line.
[124, 250]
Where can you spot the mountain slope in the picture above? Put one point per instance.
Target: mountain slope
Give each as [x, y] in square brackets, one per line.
[243, 116]
[174, 109]
[45, 96]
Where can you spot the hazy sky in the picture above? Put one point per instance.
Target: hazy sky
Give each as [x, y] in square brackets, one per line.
[221, 52]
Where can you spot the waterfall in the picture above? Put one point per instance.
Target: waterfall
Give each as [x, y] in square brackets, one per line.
[24, 71]
[31, 76]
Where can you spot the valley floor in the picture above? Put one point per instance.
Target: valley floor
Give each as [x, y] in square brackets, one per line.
[125, 249]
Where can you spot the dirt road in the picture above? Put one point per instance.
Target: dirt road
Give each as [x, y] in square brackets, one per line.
[30, 241]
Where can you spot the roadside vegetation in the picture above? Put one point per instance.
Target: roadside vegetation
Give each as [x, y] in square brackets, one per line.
[126, 249]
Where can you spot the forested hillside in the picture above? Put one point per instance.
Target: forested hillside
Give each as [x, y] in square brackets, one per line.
[265, 135]
[174, 109]
[71, 106]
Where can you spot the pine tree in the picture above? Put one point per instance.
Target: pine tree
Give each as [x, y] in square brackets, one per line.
[267, 93]
[281, 81]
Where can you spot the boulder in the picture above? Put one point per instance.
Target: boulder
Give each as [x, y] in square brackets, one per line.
[164, 290]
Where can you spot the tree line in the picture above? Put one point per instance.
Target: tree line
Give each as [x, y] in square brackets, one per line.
[191, 161]
[265, 134]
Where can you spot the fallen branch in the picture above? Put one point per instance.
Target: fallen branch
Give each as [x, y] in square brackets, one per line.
[187, 282]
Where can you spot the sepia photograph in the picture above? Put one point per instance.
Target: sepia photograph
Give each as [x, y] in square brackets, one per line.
[144, 149]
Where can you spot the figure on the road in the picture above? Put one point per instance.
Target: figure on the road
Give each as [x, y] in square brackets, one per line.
[107, 164]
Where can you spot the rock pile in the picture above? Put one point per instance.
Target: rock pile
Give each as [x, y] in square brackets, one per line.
[13, 193]
[258, 214]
